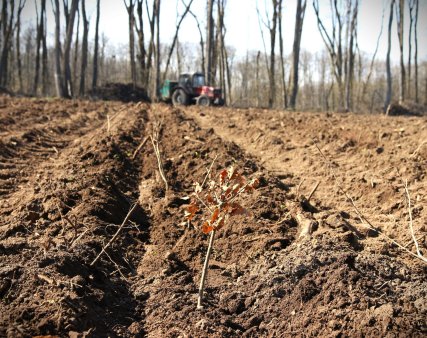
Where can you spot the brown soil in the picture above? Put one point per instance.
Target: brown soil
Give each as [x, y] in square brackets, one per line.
[295, 267]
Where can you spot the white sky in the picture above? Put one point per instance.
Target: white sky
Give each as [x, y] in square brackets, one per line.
[241, 20]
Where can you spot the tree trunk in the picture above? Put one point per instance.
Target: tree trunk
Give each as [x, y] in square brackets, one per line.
[400, 24]
[151, 44]
[39, 38]
[282, 61]
[96, 47]
[416, 51]
[18, 48]
[68, 93]
[352, 29]
[76, 51]
[130, 10]
[258, 101]
[7, 37]
[209, 42]
[411, 24]
[299, 20]
[84, 50]
[271, 73]
[45, 68]
[141, 42]
[157, 82]
[58, 72]
[387, 61]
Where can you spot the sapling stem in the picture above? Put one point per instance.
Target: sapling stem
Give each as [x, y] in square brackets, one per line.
[205, 270]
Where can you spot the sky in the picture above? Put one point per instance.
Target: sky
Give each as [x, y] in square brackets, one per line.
[243, 27]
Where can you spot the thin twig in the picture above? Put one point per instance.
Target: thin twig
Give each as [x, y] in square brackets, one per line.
[362, 218]
[74, 242]
[188, 138]
[155, 144]
[129, 214]
[411, 225]
[299, 186]
[139, 147]
[418, 148]
[209, 170]
[313, 191]
[116, 265]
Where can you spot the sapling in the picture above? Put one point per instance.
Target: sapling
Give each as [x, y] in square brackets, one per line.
[217, 201]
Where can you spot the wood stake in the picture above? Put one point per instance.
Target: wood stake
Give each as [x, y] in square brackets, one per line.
[205, 271]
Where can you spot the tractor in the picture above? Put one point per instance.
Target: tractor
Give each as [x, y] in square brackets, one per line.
[190, 89]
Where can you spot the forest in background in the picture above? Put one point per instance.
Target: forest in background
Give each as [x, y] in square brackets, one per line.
[339, 78]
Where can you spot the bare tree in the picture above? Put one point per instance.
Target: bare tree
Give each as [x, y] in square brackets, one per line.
[371, 66]
[40, 28]
[271, 74]
[67, 86]
[151, 46]
[299, 20]
[209, 41]
[7, 17]
[341, 55]
[45, 66]
[175, 37]
[411, 5]
[139, 26]
[96, 47]
[400, 8]
[352, 13]
[202, 43]
[282, 61]
[156, 15]
[84, 50]
[130, 9]
[225, 77]
[388, 64]
[18, 45]
[76, 50]
[416, 50]
[58, 73]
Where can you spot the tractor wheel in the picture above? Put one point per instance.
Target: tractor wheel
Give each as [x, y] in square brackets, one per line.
[179, 98]
[203, 101]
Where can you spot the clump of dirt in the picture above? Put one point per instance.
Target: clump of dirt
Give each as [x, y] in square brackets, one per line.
[297, 265]
[125, 92]
[406, 108]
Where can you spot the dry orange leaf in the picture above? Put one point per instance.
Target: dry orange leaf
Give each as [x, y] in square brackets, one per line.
[207, 228]
[215, 215]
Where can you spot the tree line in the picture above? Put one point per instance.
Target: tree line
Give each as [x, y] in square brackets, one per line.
[341, 77]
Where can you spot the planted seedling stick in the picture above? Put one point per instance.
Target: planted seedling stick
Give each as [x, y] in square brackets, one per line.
[159, 161]
[219, 202]
[205, 271]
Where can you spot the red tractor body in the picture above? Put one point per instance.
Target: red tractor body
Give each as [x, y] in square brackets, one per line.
[191, 88]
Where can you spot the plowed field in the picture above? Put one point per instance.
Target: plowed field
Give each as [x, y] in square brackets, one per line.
[326, 250]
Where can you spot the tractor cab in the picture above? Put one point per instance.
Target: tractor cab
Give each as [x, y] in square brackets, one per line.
[192, 81]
